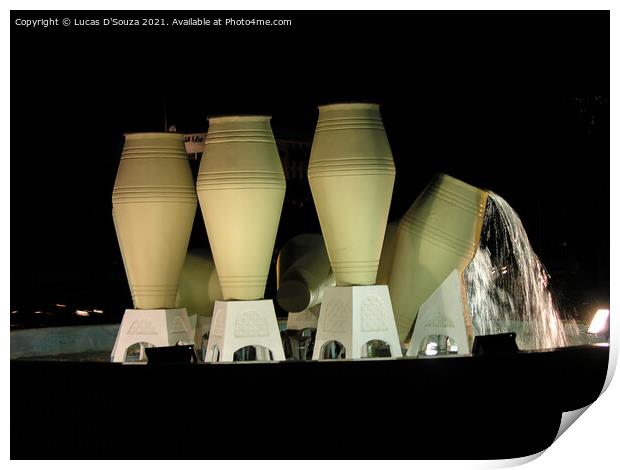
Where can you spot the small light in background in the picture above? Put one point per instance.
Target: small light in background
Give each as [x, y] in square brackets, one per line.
[61, 305]
[82, 313]
[97, 310]
[599, 322]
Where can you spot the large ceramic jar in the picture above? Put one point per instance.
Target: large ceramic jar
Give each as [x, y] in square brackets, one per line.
[303, 271]
[439, 233]
[199, 286]
[153, 207]
[351, 174]
[241, 190]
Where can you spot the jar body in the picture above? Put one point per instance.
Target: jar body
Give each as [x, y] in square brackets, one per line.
[153, 207]
[351, 174]
[241, 190]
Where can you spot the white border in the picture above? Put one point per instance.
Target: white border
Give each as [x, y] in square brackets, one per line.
[590, 444]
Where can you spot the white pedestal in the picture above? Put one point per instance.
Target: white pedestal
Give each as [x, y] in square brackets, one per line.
[161, 327]
[241, 323]
[444, 313]
[355, 315]
[309, 318]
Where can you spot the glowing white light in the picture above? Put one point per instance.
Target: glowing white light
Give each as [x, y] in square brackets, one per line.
[82, 313]
[598, 322]
[60, 305]
[98, 310]
[431, 349]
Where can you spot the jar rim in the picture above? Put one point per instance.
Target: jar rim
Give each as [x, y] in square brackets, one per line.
[350, 105]
[239, 117]
[151, 133]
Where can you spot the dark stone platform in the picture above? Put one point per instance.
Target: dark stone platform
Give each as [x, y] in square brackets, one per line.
[501, 406]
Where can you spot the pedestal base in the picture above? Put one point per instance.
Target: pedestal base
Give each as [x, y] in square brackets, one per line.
[354, 316]
[151, 328]
[240, 323]
[442, 324]
[309, 318]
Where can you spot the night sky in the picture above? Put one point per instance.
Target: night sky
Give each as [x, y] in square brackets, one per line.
[515, 102]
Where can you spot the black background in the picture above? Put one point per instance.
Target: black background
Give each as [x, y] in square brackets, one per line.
[515, 102]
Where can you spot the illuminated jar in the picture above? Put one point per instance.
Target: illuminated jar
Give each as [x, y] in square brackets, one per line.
[439, 233]
[241, 190]
[303, 271]
[351, 174]
[154, 204]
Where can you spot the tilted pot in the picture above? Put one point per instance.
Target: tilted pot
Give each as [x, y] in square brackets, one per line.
[199, 286]
[303, 271]
[439, 233]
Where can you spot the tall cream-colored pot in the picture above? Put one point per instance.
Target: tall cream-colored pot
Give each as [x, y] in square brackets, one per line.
[241, 190]
[303, 271]
[153, 207]
[351, 174]
[439, 233]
